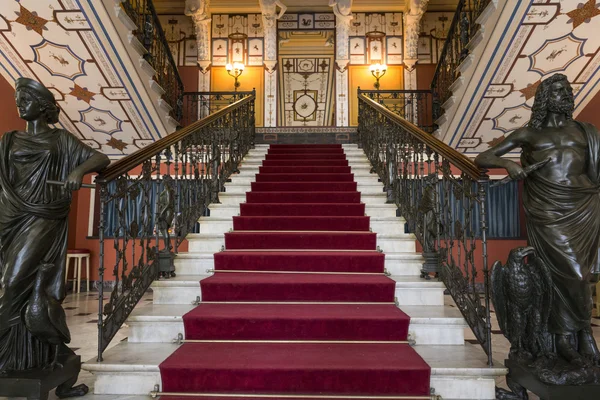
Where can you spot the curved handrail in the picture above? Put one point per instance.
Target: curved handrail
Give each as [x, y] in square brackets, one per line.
[459, 160]
[131, 161]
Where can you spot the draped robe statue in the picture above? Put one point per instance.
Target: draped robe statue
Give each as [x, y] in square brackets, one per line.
[562, 204]
[34, 218]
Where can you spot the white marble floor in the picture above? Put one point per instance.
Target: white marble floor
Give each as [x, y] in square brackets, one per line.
[82, 317]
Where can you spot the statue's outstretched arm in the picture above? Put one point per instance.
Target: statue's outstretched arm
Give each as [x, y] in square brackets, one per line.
[492, 158]
[95, 163]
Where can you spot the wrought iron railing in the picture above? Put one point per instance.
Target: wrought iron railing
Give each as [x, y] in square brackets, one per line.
[414, 106]
[151, 199]
[198, 105]
[150, 33]
[463, 28]
[442, 196]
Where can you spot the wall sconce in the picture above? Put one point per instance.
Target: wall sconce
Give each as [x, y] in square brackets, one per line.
[235, 71]
[378, 71]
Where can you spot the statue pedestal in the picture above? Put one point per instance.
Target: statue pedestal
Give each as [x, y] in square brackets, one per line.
[166, 264]
[526, 378]
[35, 384]
[431, 264]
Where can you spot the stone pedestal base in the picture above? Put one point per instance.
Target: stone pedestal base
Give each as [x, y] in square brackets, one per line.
[431, 264]
[36, 384]
[166, 264]
[525, 378]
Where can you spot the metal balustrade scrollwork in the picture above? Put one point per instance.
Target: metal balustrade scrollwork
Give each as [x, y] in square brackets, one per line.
[150, 34]
[442, 196]
[463, 28]
[414, 106]
[198, 105]
[151, 199]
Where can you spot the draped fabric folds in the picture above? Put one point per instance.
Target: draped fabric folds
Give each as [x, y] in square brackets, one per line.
[563, 224]
[33, 229]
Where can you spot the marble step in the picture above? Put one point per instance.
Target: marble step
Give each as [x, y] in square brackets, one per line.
[372, 210]
[410, 290]
[357, 160]
[366, 179]
[431, 325]
[366, 188]
[388, 242]
[457, 372]
[229, 198]
[397, 264]
[380, 225]
[362, 171]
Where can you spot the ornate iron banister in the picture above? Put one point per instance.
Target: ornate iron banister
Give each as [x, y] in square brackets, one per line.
[151, 199]
[442, 195]
[150, 33]
[201, 104]
[414, 106]
[463, 28]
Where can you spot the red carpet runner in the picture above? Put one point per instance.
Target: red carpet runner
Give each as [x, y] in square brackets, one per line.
[299, 304]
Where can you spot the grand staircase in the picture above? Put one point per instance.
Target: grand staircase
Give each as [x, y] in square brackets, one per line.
[296, 300]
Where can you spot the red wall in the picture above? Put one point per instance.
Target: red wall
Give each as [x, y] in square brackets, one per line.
[10, 120]
[590, 112]
[425, 74]
[189, 76]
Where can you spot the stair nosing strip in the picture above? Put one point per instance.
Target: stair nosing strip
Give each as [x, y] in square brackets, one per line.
[300, 302]
[250, 271]
[292, 396]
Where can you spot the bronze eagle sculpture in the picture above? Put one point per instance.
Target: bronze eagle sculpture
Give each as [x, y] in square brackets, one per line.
[522, 297]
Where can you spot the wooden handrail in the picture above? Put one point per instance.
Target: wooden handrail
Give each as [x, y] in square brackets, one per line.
[131, 161]
[459, 160]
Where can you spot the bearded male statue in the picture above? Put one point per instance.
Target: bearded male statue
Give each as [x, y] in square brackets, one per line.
[562, 205]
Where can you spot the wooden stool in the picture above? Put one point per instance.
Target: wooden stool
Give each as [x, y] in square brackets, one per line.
[78, 255]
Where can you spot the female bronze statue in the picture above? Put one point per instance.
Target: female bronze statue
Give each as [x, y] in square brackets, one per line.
[34, 218]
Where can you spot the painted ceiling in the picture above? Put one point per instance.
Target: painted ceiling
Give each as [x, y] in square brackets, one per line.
[553, 37]
[251, 6]
[63, 45]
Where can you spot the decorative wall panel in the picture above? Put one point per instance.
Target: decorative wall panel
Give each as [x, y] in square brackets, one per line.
[64, 45]
[376, 38]
[306, 21]
[556, 37]
[179, 30]
[306, 91]
[434, 30]
[237, 38]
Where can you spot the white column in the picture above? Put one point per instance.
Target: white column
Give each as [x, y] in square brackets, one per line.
[412, 29]
[343, 15]
[342, 110]
[198, 10]
[269, 11]
[270, 104]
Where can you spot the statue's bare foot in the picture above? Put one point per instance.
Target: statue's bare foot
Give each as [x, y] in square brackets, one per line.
[566, 350]
[588, 347]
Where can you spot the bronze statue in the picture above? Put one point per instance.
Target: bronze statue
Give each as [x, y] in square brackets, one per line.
[562, 204]
[33, 230]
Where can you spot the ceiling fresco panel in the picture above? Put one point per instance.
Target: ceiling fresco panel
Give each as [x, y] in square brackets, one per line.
[67, 47]
[552, 37]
